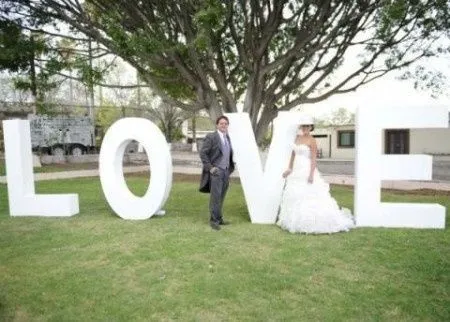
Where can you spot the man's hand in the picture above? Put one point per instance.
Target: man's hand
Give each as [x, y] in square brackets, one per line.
[213, 170]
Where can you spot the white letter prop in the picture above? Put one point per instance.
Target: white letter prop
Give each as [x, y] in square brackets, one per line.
[262, 189]
[122, 201]
[23, 201]
[372, 167]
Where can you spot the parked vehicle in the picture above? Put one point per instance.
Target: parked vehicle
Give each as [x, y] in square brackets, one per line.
[62, 135]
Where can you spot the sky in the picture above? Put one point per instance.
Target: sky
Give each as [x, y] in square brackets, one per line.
[386, 91]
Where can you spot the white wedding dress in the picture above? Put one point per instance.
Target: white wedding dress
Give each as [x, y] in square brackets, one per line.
[309, 207]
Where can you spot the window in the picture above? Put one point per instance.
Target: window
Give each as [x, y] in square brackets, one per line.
[346, 139]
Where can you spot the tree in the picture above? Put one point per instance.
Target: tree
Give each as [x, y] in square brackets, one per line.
[41, 62]
[105, 116]
[9, 93]
[341, 116]
[16, 48]
[271, 55]
[18, 54]
[169, 119]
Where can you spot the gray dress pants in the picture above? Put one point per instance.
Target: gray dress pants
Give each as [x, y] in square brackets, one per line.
[219, 187]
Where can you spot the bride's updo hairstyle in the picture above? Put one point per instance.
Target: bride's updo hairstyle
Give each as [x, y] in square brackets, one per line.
[312, 127]
[307, 120]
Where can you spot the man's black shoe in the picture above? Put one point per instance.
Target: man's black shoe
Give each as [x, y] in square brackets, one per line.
[224, 223]
[214, 225]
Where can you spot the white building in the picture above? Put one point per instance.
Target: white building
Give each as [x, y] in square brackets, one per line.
[339, 142]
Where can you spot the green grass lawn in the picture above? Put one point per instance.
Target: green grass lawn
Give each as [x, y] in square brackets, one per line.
[59, 167]
[98, 267]
[56, 167]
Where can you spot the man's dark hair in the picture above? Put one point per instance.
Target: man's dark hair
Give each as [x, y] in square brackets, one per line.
[223, 117]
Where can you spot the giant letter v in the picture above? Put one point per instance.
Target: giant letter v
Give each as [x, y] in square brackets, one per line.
[262, 188]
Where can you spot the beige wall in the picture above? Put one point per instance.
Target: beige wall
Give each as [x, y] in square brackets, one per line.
[421, 141]
[429, 141]
[323, 143]
[338, 152]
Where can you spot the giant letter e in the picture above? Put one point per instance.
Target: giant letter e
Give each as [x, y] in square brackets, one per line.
[372, 167]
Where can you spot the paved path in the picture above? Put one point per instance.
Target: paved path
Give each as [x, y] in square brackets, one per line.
[441, 165]
[333, 179]
[441, 168]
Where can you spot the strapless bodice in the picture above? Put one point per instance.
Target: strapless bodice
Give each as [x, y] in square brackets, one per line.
[302, 150]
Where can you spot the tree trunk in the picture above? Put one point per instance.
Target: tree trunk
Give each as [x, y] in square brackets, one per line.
[71, 88]
[139, 98]
[91, 83]
[249, 102]
[194, 128]
[215, 110]
[263, 124]
[33, 85]
[253, 97]
[169, 132]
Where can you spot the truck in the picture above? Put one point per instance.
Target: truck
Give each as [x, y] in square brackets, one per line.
[61, 135]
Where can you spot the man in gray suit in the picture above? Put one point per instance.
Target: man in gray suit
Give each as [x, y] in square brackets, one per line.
[217, 158]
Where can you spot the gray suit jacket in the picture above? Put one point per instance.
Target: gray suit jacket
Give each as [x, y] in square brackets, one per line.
[210, 154]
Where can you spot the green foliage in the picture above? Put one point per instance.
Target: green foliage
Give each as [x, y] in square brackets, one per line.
[42, 83]
[105, 116]
[171, 134]
[17, 49]
[85, 73]
[202, 123]
[169, 119]
[341, 116]
[209, 19]
[36, 58]
[138, 45]
[18, 53]
[272, 55]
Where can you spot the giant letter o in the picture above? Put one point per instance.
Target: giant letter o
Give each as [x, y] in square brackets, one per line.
[122, 201]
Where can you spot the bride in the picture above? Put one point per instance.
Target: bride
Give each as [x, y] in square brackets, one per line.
[307, 206]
